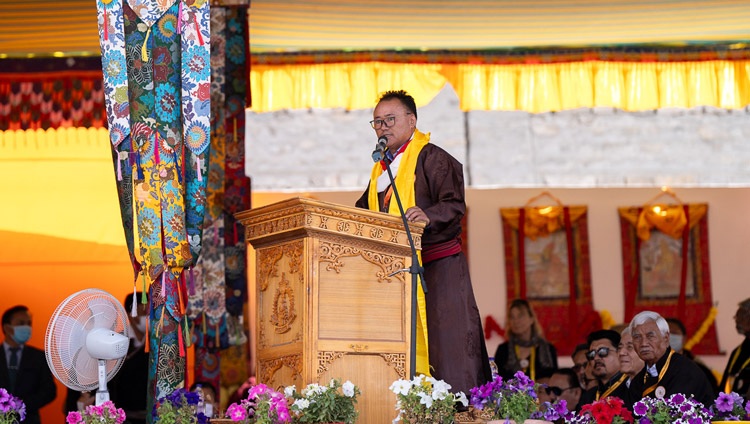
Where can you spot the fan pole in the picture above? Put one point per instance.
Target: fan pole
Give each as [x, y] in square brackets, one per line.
[102, 395]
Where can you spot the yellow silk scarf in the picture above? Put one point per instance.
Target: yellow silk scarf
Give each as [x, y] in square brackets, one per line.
[404, 181]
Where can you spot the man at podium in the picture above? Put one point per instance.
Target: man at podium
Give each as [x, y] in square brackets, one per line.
[430, 183]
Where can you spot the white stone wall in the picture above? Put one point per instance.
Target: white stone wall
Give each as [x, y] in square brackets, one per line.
[311, 150]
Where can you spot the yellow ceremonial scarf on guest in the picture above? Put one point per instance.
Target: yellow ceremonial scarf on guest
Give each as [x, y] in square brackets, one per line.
[404, 180]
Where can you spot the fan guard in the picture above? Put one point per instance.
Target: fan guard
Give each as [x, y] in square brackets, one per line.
[65, 340]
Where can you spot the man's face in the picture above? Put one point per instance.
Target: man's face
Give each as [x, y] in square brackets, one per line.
[571, 394]
[742, 321]
[579, 366]
[630, 362]
[649, 343]
[606, 366]
[404, 122]
[19, 318]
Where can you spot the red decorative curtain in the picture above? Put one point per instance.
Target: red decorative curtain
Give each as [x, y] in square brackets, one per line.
[666, 268]
[547, 263]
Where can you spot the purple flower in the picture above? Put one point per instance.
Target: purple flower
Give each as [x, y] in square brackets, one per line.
[724, 402]
[640, 408]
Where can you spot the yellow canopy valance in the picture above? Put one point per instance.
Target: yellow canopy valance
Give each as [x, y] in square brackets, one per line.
[535, 88]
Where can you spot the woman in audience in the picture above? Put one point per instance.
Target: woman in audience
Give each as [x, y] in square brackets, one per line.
[525, 349]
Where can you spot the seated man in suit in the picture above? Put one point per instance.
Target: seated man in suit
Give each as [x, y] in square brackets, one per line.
[666, 372]
[23, 368]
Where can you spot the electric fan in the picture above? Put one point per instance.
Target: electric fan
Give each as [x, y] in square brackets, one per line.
[87, 340]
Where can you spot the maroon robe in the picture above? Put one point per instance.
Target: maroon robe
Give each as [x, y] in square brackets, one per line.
[458, 354]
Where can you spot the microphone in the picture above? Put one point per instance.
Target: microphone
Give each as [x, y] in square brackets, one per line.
[379, 153]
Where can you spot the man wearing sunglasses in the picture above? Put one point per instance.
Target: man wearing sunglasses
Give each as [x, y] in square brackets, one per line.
[564, 385]
[602, 355]
[666, 372]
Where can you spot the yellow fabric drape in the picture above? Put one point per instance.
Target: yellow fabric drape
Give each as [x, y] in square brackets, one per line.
[669, 219]
[541, 221]
[405, 185]
[535, 88]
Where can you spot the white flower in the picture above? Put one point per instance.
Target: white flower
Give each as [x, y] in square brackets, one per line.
[289, 391]
[461, 397]
[301, 404]
[425, 400]
[401, 387]
[348, 388]
[313, 388]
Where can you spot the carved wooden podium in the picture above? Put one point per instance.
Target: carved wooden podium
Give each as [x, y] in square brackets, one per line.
[326, 305]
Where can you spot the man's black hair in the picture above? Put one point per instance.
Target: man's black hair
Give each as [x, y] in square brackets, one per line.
[129, 300]
[8, 314]
[678, 323]
[610, 335]
[403, 97]
[571, 376]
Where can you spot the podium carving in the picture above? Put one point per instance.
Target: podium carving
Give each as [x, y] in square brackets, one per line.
[327, 301]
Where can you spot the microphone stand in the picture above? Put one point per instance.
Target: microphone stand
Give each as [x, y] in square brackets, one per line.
[416, 270]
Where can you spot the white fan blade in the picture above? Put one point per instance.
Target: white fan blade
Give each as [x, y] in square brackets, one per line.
[86, 369]
[101, 310]
[71, 332]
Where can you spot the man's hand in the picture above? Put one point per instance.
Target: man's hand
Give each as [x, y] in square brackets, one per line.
[415, 214]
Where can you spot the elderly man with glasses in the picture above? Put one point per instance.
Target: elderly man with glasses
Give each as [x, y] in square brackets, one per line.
[602, 355]
[666, 372]
[430, 184]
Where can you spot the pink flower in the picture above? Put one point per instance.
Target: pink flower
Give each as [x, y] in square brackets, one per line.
[74, 418]
[236, 412]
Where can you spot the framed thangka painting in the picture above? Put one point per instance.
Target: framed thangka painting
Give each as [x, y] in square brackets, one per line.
[547, 263]
[666, 268]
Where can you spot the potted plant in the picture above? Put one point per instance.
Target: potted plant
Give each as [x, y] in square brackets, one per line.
[12, 409]
[178, 407]
[425, 400]
[334, 403]
[262, 406]
[677, 407]
[604, 411]
[730, 407]
[514, 399]
[106, 413]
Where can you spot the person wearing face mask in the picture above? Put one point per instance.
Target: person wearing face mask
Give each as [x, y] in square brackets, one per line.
[128, 387]
[677, 339]
[23, 368]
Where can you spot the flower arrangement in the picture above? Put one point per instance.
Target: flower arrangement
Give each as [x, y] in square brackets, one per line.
[556, 412]
[730, 407]
[604, 411]
[676, 408]
[424, 400]
[324, 404]
[12, 409]
[106, 413]
[262, 406]
[179, 407]
[514, 399]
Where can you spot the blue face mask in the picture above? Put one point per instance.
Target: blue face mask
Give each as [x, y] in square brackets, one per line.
[21, 333]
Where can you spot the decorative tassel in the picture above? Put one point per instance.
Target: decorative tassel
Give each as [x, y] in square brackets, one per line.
[106, 24]
[186, 329]
[163, 285]
[218, 336]
[177, 164]
[133, 307]
[179, 19]
[138, 164]
[157, 158]
[198, 168]
[144, 47]
[119, 168]
[203, 322]
[148, 330]
[191, 282]
[180, 342]
[234, 123]
[198, 29]
[144, 299]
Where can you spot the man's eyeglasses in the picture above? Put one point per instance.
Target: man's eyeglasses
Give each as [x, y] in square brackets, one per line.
[387, 122]
[556, 390]
[602, 352]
